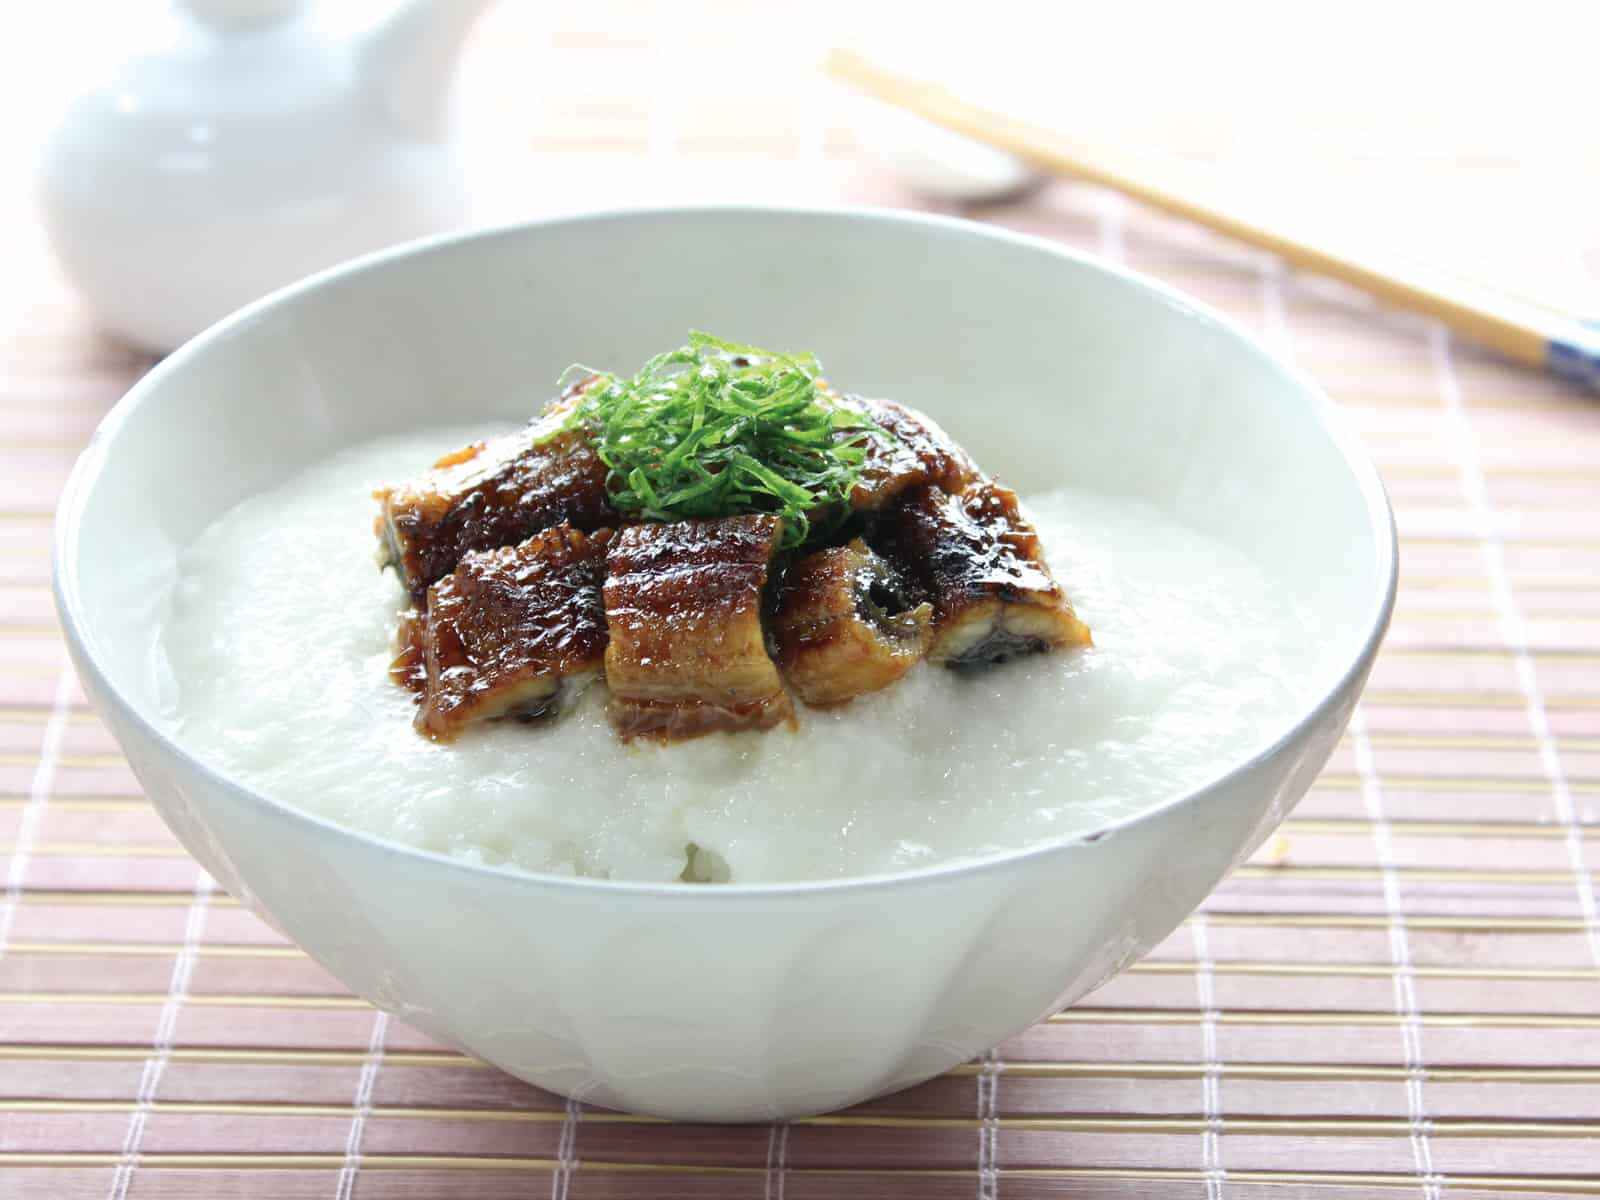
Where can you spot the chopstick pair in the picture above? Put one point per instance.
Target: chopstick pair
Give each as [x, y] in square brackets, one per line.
[1521, 330]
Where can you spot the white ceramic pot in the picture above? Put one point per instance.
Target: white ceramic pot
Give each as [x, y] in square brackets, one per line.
[745, 1001]
[244, 145]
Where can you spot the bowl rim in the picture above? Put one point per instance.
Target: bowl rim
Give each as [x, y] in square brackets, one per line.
[66, 585]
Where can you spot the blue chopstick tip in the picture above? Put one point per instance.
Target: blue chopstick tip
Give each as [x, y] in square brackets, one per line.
[1577, 358]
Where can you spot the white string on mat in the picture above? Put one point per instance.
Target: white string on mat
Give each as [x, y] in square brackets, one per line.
[1405, 983]
[989, 1127]
[155, 1066]
[1513, 629]
[567, 1149]
[362, 1104]
[1211, 1063]
[33, 813]
[1409, 1012]
[1274, 312]
[1113, 214]
[777, 1160]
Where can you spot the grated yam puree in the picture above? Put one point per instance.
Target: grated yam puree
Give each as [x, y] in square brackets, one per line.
[278, 647]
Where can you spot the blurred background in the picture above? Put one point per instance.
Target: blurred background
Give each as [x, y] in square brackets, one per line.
[1461, 134]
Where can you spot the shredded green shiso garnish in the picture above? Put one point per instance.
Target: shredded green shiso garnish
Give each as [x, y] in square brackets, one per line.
[714, 429]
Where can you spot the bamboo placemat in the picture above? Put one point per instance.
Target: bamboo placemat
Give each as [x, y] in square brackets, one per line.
[1397, 995]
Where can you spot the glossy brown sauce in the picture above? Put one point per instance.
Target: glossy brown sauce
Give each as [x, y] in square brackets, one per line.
[845, 627]
[510, 630]
[409, 667]
[688, 653]
[977, 560]
[702, 626]
[493, 494]
[919, 453]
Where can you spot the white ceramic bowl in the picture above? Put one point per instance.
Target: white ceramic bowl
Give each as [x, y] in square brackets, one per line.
[744, 1001]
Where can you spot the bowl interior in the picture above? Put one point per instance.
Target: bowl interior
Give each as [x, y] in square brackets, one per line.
[1049, 368]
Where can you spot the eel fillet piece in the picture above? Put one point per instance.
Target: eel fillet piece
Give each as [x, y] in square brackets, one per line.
[844, 626]
[510, 632]
[977, 560]
[920, 453]
[683, 606]
[492, 494]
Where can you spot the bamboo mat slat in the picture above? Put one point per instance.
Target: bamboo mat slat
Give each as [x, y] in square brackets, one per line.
[1396, 996]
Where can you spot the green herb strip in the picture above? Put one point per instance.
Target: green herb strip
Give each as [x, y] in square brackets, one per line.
[714, 428]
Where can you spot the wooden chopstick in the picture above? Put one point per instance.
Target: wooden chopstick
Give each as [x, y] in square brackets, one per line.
[1523, 331]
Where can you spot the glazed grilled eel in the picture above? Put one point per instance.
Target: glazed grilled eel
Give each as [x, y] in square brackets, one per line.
[528, 585]
[683, 607]
[975, 558]
[513, 632]
[493, 494]
[844, 626]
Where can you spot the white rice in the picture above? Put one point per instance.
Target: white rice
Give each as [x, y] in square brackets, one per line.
[279, 640]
